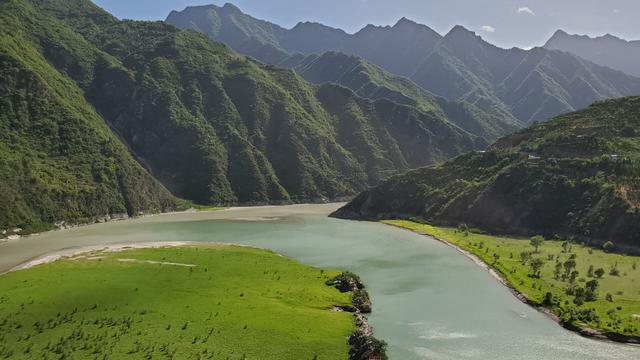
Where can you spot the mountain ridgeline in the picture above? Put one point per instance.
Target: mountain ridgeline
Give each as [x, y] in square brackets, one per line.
[514, 85]
[575, 176]
[102, 116]
[607, 50]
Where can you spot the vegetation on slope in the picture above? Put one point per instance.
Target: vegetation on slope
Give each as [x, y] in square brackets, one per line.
[187, 302]
[252, 37]
[372, 82]
[508, 84]
[59, 161]
[212, 126]
[575, 177]
[532, 85]
[586, 288]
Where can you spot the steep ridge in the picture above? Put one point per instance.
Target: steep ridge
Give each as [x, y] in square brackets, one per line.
[370, 81]
[573, 176]
[341, 60]
[531, 85]
[502, 83]
[399, 48]
[212, 126]
[59, 161]
[607, 50]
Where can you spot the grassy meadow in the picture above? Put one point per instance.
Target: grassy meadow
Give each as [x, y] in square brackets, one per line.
[190, 302]
[614, 305]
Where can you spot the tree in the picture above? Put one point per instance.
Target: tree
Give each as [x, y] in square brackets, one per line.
[614, 270]
[591, 288]
[536, 242]
[580, 294]
[574, 276]
[496, 257]
[590, 271]
[536, 266]
[599, 273]
[608, 246]
[565, 246]
[558, 271]
[524, 257]
[548, 299]
[568, 266]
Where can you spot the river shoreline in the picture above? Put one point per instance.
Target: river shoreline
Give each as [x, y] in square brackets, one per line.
[73, 252]
[496, 274]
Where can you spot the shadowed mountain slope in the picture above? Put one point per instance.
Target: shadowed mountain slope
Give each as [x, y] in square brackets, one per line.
[84, 94]
[575, 176]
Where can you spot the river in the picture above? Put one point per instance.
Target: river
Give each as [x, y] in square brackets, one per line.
[430, 301]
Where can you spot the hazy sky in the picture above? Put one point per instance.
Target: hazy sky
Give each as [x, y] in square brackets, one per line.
[506, 23]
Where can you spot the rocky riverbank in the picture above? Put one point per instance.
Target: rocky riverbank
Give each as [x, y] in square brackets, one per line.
[363, 345]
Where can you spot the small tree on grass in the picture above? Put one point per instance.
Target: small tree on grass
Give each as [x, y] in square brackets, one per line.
[524, 257]
[599, 273]
[536, 242]
[536, 266]
[614, 270]
[558, 270]
[565, 246]
[590, 271]
[574, 276]
[608, 246]
[548, 299]
[568, 266]
[591, 288]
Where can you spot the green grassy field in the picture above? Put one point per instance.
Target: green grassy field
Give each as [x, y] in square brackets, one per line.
[182, 303]
[616, 307]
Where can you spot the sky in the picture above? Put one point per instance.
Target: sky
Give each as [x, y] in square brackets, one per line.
[506, 23]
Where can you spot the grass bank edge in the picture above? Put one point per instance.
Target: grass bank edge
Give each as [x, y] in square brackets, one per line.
[617, 320]
[149, 255]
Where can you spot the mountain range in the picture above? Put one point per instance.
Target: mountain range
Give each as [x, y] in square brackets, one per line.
[606, 50]
[101, 116]
[575, 176]
[509, 84]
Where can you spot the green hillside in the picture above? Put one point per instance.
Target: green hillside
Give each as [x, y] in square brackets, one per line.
[59, 161]
[372, 82]
[85, 94]
[187, 302]
[575, 176]
[501, 84]
[274, 45]
[531, 85]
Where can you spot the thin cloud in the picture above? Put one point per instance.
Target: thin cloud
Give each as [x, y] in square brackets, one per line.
[488, 28]
[526, 10]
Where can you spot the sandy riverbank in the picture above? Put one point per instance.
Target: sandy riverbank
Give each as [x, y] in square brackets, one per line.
[87, 250]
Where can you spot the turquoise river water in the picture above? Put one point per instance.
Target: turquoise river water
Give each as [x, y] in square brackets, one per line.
[430, 301]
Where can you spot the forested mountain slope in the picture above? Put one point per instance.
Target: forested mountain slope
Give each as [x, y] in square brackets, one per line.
[460, 66]
[59, 161]
[577, 175]
[87, 94]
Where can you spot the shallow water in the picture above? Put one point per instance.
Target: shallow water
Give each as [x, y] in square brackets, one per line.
[430, 302]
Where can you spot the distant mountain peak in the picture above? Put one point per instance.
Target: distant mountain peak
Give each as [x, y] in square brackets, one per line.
[460, 30]
[405, 24]
[560, 32]
[461, 35]
[311, 25]
[405, 21]
[229, 7]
